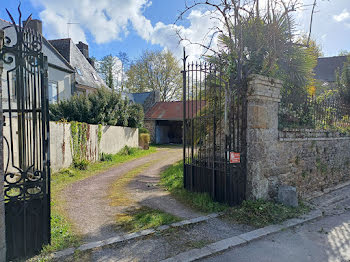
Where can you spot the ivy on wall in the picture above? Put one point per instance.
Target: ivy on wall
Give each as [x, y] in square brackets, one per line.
[79, 138]
[99, 138]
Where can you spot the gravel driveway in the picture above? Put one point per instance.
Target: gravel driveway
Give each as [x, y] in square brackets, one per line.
[87, 205]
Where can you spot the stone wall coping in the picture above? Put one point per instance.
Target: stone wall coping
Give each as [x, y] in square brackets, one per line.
[270, 80]
[307, 130]
[312, 139]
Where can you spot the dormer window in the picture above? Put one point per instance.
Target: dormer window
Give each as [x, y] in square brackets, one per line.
[94, 76]
[78, 71]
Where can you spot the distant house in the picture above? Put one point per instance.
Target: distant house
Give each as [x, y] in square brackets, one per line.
[326, 68]
[60, 73]
[164, 120]
[146, 99]
[86, 77]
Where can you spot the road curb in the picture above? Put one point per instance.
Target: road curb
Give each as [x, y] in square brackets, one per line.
[239, 240]
[124, 237]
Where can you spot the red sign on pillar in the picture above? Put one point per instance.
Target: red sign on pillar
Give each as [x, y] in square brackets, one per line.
[235, 157]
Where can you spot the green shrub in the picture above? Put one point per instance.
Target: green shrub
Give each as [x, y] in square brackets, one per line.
[144, 140]
[81, 164]
[143, 130]
[100, 107]
[106, 157]
[260, 213]
[127, 151]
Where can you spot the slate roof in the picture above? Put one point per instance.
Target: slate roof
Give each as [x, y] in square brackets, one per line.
[85, 74]
[173, 110]
[139, 98]
[53, 56]
[326, 66]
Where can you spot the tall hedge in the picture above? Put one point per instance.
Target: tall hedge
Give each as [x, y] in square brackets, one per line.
[100, 107]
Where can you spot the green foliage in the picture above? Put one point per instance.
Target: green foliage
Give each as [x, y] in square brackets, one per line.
[145, 138]
[106, 157]
[81, 164]
[257, 213]
[156, 71]
[79, 138]
[100, 107]
[260, 213]
[172, 180]
[144, 218]
[107, 66]
[343, 82]
[143, 130]
[127, 151]
[62, 235]
[99, 133]
[136, 115]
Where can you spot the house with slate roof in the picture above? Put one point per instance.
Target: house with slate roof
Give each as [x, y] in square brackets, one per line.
[146, 99]
[60, 73]
[327, 66]
[86, 77]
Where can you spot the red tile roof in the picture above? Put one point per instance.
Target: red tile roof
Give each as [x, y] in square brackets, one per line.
[173, 110]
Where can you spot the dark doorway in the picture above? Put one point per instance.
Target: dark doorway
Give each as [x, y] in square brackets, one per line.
[168, 132]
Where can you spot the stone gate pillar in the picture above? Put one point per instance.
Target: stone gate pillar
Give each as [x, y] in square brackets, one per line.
[262, 132]
[2, 204]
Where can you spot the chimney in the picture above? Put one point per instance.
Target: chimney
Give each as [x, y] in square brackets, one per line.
[92, 62]
[84, 48]
[36, 25]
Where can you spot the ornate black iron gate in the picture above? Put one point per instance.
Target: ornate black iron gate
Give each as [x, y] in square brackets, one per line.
[214, 133]
[27, 165]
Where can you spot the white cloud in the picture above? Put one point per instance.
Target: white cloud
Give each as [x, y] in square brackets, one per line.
[109, 20]
[106, 20]
[344, 15]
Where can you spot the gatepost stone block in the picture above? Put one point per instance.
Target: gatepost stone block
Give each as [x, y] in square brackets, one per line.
[287, 195]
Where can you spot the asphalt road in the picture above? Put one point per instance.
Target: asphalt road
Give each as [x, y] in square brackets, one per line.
[327, 239]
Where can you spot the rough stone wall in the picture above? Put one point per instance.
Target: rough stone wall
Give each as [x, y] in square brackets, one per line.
[262, 132]
[310, 160]
[2, 204]
[151, 126]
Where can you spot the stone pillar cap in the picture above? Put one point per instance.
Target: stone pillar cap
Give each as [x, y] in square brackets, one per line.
[271, 80]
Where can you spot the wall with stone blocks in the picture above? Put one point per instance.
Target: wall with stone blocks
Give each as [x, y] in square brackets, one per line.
[114, 138]
[151, 126]
[310, 160]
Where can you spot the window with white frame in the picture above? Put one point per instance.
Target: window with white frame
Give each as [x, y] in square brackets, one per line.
[53, 92]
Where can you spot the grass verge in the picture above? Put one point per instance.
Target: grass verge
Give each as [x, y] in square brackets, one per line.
[260, 213]
[144, 218]
[62, 232]
[172, 180]
[257, 213]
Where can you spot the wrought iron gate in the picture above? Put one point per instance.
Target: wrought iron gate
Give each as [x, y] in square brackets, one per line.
[214, 133]
[26, 157]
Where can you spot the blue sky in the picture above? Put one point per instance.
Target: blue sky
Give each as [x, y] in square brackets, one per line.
[131, 26]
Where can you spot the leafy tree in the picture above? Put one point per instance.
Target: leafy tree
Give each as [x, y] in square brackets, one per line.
[259, 39]
[106, 69]
[344, 53]
[156, 70]
[100, 107]
[343, 82]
